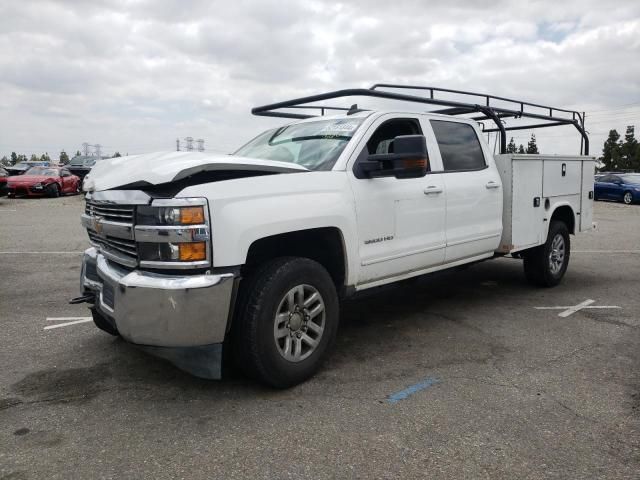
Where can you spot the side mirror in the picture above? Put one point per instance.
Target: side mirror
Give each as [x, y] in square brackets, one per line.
[408, 159]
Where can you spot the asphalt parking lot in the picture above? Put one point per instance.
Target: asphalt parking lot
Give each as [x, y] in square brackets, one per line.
[457, 375]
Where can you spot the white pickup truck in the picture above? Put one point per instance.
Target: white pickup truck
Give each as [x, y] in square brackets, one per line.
[250, 253]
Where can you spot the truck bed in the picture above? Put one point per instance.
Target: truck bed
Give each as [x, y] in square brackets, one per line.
[533, 187]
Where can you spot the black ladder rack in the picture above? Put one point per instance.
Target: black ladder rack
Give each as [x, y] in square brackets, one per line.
[552, 116]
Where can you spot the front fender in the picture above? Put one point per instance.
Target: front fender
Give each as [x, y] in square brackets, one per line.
[249, 209]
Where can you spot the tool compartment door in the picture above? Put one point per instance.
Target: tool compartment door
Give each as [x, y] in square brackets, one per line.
[586, 197]
[561, 177]
[526, 216]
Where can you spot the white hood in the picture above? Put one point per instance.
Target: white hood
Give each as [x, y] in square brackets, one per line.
[164, 167]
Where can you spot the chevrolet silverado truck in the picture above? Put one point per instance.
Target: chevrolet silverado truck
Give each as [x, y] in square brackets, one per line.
[198, 254]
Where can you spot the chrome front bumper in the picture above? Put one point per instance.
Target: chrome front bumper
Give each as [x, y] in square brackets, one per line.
[155, 310]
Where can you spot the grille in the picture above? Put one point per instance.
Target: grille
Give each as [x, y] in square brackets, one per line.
[124, 251]
[121, 246]
[115, 213]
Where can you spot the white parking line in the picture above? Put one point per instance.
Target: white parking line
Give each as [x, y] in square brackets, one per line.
[570, 310]
[75, 321]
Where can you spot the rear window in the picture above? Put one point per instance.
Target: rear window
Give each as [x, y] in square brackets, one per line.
[459, 146]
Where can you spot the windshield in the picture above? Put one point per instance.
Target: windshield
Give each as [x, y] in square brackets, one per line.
[42, 171]
[87, 162]
[314, 145]
[633, 178]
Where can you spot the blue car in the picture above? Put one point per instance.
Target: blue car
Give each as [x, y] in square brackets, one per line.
[623, 187]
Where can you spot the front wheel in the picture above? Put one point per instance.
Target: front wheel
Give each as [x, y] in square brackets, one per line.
[53, 190]
[627, 198]
[545, 265]
[287, 321]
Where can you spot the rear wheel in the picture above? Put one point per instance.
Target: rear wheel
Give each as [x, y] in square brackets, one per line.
[287, 321]
[545, 265]
[627, 198]
[53, 190]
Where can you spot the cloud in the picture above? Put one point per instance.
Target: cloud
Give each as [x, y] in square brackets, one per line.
[135, 74]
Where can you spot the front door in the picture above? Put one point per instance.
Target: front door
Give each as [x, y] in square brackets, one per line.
[400, 221]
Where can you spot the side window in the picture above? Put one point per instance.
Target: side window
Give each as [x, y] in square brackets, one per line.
[382, 139]
[459, 146]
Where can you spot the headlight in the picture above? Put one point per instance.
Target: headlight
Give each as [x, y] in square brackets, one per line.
[192, 215]
[174, 233]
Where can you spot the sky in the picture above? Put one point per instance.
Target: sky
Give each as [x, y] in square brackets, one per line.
[134, 75]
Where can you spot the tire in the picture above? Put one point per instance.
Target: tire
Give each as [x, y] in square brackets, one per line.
[543, 266]
[53, 190]
[270, 316]
[104, 324]
[627, 198]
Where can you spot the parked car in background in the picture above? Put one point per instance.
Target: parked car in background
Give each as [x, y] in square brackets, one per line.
[40, 181]
[3, 181]
[21, 167]
[623, 187]
[81, 165]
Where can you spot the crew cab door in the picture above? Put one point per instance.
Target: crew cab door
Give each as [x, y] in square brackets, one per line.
[474, 191]
[400, 221]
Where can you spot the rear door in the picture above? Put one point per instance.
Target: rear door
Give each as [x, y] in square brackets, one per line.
[474, 192]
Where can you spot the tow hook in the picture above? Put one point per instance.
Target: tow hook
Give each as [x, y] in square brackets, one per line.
[86, 298]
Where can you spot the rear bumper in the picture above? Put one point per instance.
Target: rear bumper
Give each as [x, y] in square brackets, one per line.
[181, 318]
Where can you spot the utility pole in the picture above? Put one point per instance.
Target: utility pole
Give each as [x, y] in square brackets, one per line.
[98, 150]
[85, 149]
[189, 141]
[177, 144]
[200, 143]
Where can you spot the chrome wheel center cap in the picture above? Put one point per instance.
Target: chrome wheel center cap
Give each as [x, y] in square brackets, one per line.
[295, 321]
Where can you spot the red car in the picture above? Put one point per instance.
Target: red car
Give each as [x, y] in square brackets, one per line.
[38, 181]
[3, 181]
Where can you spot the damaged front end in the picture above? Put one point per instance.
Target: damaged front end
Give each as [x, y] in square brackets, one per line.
[149, 275]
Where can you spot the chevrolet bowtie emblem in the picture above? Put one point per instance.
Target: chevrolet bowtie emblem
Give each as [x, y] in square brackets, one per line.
[97, 224]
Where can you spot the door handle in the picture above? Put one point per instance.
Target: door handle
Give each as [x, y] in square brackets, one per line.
[432, 189]
[492, 184]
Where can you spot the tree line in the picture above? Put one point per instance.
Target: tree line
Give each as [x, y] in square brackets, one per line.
[532, 146]
[63, 158]
[619, 154]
